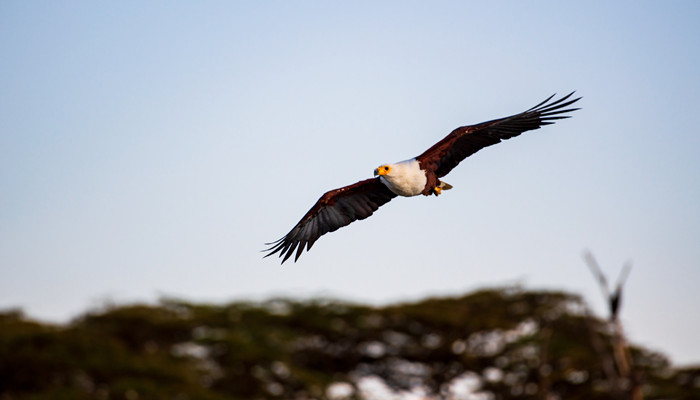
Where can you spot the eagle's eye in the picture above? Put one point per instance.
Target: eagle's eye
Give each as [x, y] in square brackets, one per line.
[386, 168]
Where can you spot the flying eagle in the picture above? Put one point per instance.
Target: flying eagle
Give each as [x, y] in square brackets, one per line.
[420, 175]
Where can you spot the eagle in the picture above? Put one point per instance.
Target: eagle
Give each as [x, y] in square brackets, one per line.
[417, 176]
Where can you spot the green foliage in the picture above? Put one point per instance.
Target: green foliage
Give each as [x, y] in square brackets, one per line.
[510, 343]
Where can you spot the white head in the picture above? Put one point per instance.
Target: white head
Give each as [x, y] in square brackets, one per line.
[404, 178]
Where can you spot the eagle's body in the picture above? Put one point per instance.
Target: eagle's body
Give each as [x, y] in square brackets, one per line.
[418, 175]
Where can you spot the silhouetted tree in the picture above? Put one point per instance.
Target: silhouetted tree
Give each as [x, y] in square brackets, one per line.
[499, 344]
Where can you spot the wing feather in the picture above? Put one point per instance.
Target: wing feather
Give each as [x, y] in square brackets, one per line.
[335, 209]
[467, 140]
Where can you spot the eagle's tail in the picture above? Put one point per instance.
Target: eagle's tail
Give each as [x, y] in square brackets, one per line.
[437, 190]
[444, 185]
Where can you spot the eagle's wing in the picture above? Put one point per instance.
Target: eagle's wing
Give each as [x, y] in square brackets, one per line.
[335, 209]
[467, 140]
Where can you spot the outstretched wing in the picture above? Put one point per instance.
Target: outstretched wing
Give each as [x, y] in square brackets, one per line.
[467, 140]
[335, 209]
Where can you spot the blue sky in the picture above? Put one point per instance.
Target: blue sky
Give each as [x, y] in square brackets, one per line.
[150, 149]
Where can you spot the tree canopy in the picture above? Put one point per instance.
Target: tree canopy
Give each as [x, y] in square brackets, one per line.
[491, 344]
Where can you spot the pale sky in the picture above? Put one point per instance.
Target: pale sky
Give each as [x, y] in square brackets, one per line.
[150, 149]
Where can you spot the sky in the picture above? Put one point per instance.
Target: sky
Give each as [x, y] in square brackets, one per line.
[150, 149]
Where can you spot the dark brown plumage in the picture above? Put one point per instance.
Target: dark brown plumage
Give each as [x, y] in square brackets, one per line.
[340, 207]
[335, 209]
[467, 140]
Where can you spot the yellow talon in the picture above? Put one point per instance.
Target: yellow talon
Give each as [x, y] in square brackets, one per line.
[438, 190]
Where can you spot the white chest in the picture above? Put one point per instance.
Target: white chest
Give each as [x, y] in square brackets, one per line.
[406, 178]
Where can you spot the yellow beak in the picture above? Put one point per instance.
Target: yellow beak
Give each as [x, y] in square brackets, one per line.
[381, 171]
